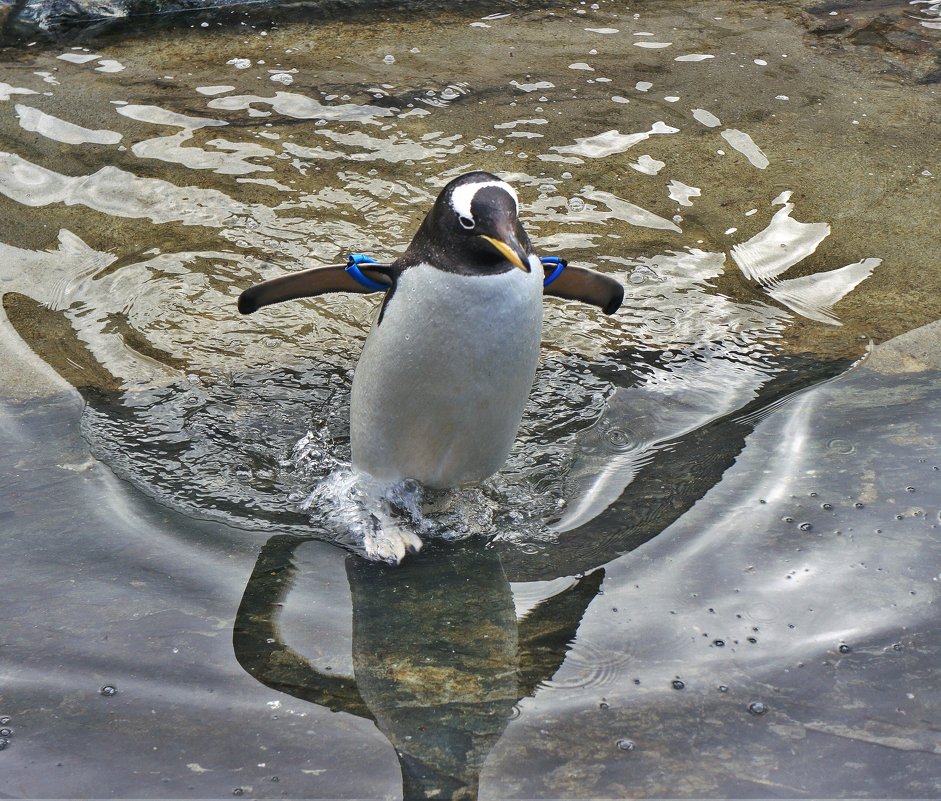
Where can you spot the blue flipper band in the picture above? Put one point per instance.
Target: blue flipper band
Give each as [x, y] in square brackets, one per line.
[352, 267]
[560, 265]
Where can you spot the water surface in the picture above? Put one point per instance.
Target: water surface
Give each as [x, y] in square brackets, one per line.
[718, 487]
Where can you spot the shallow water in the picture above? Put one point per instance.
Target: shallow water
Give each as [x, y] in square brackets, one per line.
[733, 481]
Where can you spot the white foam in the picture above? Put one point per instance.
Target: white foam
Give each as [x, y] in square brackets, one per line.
[78, 58]
[532, 87]
[298, 106]
[813, 296]
[682, 193]
[160, 116]
[745, 145]
[36, 121]
[648, 165]
[778, 247]
[109, 65]
[611, 142]
[7, 91]
[707, 118]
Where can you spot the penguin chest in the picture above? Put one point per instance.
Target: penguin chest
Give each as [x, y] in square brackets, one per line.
[439, 391]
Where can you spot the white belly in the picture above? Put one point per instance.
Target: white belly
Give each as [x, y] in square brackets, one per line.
[439, 390]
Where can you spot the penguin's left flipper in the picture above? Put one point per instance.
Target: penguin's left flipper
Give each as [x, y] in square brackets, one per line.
[577, 283]
[310, 283]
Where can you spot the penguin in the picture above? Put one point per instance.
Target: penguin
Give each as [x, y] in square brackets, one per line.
[439, 389]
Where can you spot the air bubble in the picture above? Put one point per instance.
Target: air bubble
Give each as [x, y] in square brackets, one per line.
[5, 720]
[625, 745]
[858, 505]
[805, 526]
[238, 791]
[842, 446]
[619, 439]
[719, 643]
[723, 688]
[827, 506]
[4, 744]
[845, 649]
[6, 732]
[909, 489]
[757, 708]
[389, 59]
[678, 684]
[576, 204]
[604, 705]
[108, 690]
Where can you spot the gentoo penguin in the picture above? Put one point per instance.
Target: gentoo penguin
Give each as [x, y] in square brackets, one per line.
[439, 390]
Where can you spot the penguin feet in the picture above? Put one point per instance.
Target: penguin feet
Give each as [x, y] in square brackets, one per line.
[389, 542]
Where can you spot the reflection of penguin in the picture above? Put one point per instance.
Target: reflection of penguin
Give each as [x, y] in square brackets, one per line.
[439, 390]
[439, 656]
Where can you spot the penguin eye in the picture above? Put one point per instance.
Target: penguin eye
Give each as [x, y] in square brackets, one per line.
[466, 222]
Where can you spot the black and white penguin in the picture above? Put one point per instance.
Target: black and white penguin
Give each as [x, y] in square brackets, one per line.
[439, 390]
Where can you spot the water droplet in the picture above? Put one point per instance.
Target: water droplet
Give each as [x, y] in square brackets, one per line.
[108, 690]
[858, 505]
[805, 526]
[238, 791]
[757, 708]
[5, 720]
[752, 640]
[845, 649]
[678, 684]
[827, 506]
[723, 688]
[6, 732]
[604, 705]
[625, 745]
[909, 489]
[787, 519]
[719, 643]
[4, 744]
[515, 712]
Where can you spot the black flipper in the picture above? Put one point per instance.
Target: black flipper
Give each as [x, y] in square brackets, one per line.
[577, 283]
[310, 283]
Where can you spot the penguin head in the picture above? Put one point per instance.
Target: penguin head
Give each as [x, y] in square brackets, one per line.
[473, 228]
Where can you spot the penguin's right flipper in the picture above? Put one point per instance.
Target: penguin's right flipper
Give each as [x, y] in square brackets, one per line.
[312, 282]
[577, 283]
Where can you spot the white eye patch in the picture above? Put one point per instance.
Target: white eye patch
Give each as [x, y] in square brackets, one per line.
[463, 197]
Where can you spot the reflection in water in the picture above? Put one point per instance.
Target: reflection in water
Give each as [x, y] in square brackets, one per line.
[439, 657]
